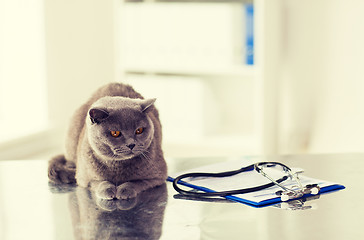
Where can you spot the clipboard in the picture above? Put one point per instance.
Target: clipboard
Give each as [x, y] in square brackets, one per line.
[256, 199]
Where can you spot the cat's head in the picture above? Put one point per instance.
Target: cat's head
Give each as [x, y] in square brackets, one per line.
[119, 128]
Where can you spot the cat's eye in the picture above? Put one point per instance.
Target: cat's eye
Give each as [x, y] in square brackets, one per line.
[139, 131]
[115, 133]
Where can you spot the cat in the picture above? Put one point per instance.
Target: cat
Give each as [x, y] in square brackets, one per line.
[113, 145]
[137, 218]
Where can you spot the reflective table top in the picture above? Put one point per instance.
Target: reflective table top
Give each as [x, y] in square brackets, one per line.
[30, 208]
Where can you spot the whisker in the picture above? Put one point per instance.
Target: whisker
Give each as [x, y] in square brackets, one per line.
[146, 156]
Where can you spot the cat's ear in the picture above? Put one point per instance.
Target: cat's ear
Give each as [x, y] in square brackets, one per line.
[147, 103]
[98, 115]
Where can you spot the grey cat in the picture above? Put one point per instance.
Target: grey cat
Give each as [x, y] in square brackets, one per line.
[113, 145]
[137, 218]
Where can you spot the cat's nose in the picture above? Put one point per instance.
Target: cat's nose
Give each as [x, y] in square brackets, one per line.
[131, 146]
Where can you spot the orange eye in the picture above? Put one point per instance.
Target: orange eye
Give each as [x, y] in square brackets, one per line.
[115, 133]
[139, 131]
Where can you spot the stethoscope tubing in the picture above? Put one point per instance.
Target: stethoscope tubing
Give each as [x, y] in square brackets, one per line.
[178, 180]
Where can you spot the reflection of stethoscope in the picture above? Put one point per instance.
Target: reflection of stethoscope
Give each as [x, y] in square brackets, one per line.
[285, 194]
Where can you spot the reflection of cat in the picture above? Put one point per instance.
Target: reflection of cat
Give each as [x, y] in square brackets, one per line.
[113, 145]
[136, 218]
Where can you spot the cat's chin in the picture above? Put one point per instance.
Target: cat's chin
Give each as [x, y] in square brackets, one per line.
[124, 157]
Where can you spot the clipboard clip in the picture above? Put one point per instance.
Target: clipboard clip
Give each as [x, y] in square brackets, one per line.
[289, 194]
[296, 191]
[298, 204]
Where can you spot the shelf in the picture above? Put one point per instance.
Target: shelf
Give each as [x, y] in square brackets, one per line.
[212, 146]
[189, 1]
[232, 71]
[184, 39]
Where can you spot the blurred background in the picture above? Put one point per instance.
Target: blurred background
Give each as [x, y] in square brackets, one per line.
[231, 77]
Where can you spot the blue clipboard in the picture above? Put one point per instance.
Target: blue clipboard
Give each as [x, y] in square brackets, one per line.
[258, 199]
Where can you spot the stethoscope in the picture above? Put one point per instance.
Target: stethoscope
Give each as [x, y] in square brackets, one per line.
[285, 194]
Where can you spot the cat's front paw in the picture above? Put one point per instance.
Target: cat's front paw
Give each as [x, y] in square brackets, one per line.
[126, 191]
[106, 204]
[106, 190]
[126, 204]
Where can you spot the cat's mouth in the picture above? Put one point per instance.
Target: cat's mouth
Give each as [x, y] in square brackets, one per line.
[124, 154]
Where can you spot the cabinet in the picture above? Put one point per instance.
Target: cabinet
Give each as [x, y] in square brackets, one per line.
[191, 55]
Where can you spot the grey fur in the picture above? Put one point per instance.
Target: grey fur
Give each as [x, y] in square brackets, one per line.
[99, 219]
[114, 167]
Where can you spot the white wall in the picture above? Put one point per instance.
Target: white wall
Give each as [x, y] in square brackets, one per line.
[23, 105]
[322, 87]
[53, 55]
[339, 127]
[81, 52]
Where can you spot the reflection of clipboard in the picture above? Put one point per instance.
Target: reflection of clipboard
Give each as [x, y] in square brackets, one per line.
[243, 180]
